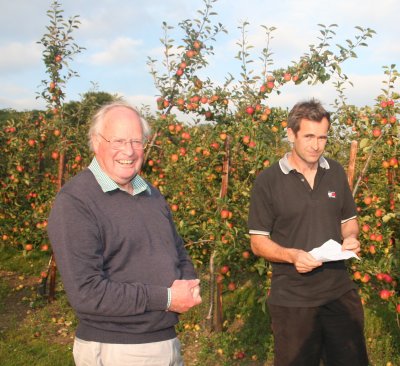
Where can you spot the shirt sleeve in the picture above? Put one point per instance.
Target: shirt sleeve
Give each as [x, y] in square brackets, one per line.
[261, 216]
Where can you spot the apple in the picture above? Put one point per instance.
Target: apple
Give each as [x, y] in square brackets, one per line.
[180, 101]
[203, 100]
[376, 132]
[357, 275]
[186, 135]
[239, 355]
[31, 142]
[246, 139]
[387, 278]
[385, 294]
[224, 214]
[28, 247]
[220, 278]
[54, 155]
[224, 269]
[365, 228]
[249, 110]
[246, 254]
[174, 207]
[197, 44]
[394, 162]
[231, 286]
[223, 136]
[398, 308]
[380, 276]
[270, 84]
[287, 76]
[191, 53]
[365, 278]
[174, 158]
[368, 200]
[44, 247]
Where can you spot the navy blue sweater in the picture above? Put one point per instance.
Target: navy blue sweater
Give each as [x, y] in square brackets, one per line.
[117, 255]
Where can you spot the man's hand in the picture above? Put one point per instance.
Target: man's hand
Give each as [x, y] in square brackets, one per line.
[352, 244]
[303, 261]
[184, 295]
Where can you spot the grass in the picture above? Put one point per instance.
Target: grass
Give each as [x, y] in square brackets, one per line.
[36, 333]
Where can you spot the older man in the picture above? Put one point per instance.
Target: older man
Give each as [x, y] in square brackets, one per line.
[124, 267]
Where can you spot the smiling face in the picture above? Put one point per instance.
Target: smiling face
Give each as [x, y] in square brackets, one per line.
[309, 142]
[120, 165]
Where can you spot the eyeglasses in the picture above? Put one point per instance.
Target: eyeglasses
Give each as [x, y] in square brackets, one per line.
[119, 144]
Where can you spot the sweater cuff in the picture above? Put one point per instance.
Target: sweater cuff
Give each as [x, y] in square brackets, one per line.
[157, 298]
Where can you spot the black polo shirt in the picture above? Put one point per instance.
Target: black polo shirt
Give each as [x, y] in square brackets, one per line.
[284, 206]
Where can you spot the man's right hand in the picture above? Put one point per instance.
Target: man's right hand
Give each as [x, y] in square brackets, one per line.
[184, 295]
[303, 261]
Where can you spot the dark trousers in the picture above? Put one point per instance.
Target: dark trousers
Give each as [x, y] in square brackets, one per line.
[334, 332]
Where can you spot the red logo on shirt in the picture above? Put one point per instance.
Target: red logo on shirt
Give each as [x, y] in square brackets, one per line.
[331, 194]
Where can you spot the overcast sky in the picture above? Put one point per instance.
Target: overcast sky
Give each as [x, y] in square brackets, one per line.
[119, 35]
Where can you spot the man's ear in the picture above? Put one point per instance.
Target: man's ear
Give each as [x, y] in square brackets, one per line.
[291, 135]
[95, 143]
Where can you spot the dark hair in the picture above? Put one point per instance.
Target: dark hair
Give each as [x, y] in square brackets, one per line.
[311, 110]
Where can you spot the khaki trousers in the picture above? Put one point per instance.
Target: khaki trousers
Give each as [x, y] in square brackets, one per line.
[165, 353]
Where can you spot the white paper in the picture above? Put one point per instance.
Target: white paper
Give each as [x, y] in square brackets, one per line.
[332, 251]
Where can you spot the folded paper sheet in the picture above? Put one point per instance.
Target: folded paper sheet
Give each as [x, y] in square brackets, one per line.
[332, 251]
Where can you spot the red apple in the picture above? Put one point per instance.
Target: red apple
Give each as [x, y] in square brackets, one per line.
[385, 294]
[224, 269]
[250, 110]
[28, 247]
[376, 132]
[224, 214]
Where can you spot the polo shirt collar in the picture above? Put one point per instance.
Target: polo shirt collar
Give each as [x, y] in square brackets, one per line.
[107, 184]
[286, 167]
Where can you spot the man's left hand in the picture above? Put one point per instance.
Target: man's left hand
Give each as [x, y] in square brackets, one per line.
[352, 244]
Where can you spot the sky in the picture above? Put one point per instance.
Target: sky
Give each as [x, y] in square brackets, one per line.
[120, 35]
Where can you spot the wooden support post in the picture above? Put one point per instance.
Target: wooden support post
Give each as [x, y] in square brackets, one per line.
[219, 318]
[352, 163]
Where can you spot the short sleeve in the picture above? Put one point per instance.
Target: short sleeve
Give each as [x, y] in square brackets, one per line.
[261, 216]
